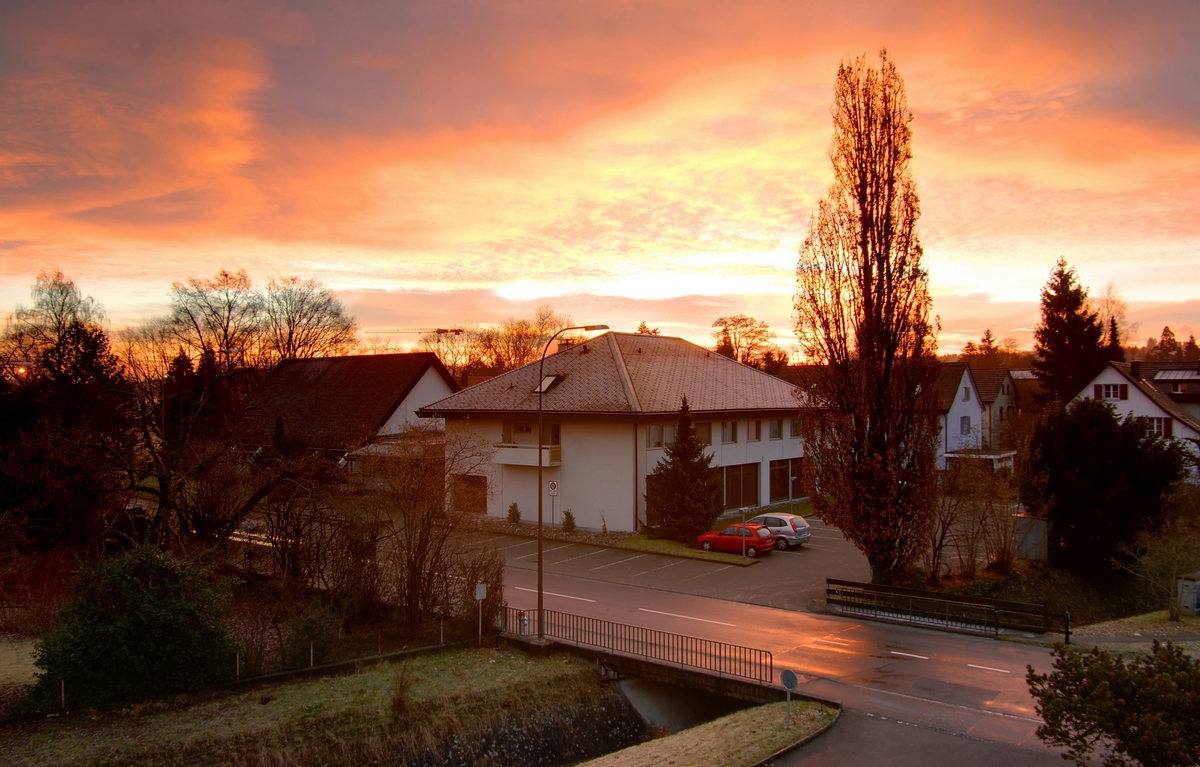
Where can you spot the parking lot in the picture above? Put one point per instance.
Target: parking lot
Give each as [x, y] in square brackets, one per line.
[785, 579]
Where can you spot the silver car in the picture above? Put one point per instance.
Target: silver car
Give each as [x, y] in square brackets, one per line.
[789, 530]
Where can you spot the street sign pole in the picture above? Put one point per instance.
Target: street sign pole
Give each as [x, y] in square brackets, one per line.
[790, 682]
[553, 486]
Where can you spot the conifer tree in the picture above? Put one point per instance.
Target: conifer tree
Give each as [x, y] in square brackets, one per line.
[1068, 342]
[683, 485]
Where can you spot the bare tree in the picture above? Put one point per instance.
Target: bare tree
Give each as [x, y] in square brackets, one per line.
[57, 303]
[219, 316]
[863, 317]
[302, 319]
[744, 336]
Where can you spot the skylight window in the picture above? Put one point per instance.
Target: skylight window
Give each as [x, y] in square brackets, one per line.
[548, 383]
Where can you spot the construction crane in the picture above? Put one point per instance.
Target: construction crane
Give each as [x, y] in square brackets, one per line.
[420, 331]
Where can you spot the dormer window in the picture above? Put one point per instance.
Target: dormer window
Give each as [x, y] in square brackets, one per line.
[548, 383]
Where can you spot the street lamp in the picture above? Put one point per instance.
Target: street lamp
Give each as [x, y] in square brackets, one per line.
[541, 389]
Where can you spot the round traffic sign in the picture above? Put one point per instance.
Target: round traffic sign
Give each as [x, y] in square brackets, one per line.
[789, 679]
[554, 487]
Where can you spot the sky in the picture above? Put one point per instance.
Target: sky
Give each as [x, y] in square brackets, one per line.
[449, 163]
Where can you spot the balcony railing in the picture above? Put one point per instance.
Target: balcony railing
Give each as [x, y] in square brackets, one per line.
[511, 454]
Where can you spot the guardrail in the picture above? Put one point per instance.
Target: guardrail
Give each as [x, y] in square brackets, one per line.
[678, 649]
[973, 615]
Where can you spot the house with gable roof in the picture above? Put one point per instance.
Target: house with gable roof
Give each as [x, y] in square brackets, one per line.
[610, 406]
[999, 402]
[1130, 387]
[968, 425]
[338, 404]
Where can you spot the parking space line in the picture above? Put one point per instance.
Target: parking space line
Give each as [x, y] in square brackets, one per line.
[515, 545]
[552, 594]
[544, 551]
[909, 655]
[830, 641]
[620, 561]
[710, 572]
[988, 668]
[581, 556]
[664, 567]
[686, 617]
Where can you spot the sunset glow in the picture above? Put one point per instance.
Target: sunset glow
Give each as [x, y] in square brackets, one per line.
[463, 162]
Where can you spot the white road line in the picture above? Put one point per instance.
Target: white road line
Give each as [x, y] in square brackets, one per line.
[686, 617]
[544, 551]
[711, 572]
[830, 641]
[552, 594]
[619, 561]
[515, 545]
[988, 668]
[909, 655]
[664, 567]
[581, 556]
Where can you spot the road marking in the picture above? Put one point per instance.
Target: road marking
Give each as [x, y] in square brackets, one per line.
[711, 572]
[909, 655]
[988, 668]
[687, 617]
[544, 551]
[618, 562]
[664, 567]
[552, 594]
[515, 545]
[581, 556]
[830, 641]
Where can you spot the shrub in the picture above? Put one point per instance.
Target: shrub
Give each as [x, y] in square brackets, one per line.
[568, 525]
[146, 625]
[514, 513]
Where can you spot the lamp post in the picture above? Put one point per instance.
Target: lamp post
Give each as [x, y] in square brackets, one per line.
[541, 390]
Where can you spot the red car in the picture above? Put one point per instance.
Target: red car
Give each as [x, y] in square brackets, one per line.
[757, 540]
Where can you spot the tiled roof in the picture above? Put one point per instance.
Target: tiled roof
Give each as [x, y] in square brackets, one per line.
[988, 382]
[627, 374]
[333, 403]
[947, 383]
[1162, 400]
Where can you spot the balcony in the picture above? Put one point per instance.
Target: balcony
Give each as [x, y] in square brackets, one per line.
[511, 454]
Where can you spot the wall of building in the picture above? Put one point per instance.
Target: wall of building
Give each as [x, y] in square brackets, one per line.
[431, 388]
[951, 437]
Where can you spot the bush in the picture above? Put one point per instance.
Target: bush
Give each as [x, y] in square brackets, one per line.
[568, 525]
[514, 513]
[146, 626]
[1145, 710]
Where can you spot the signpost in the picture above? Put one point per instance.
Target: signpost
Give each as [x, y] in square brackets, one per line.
[553, 484]
[480, 595]
[790, 682]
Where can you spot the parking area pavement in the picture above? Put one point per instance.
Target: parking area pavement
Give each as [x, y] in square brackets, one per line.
[786, 579]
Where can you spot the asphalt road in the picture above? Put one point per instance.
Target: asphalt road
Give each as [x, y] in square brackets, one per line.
[966, 691]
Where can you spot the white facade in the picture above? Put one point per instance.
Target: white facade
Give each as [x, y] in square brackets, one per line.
[601, 466]
[429, 388]
[961, 426]
[1128, 398]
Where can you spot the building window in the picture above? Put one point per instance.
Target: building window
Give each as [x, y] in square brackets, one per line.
[659, 435]
[1160, 427]
[704, 433]
[785, 479]
[1176, 388]
[754, 431]
[1110, 391]
[1001, 413]
[728, 432]
[777, 428]
[795, 428]
[964, 425]
[966, 394]
[740, 485]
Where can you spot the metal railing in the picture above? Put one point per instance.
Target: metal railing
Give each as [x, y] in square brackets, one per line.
[678, 649]
[974, 615]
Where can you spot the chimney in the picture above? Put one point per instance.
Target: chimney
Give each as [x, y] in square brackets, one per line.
[1135, 368]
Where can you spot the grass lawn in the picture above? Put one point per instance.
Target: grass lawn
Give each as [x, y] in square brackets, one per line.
[345, 719]
[741, 739]
[676, 549]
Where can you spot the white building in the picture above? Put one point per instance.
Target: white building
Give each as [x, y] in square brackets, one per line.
[972, 406]
[610, 405]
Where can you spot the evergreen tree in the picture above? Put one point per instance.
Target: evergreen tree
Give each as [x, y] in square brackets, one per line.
[683, 486]
[1115, 352]
[1068, 346]
[1191, 352]
[646, 330]
[1167, 349]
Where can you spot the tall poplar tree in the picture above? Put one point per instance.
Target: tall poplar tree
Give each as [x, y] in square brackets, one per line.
[863, 319]
[1069, 345]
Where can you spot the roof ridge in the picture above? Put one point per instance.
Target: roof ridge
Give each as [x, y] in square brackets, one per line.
[626, 381]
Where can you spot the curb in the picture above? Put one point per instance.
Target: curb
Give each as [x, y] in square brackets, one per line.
[749, 562]
[803, 741]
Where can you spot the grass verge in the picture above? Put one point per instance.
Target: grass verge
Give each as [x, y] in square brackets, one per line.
[363, 718]
[677, 549]
[741, 739]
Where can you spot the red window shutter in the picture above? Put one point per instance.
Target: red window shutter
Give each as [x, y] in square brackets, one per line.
[1124, 391]
[1097, 392]
[1169, 428]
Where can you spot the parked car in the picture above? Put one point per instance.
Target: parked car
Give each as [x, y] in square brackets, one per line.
[789, 529]
[739, 538]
